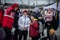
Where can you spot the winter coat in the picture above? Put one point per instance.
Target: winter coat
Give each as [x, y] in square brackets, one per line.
[16, 17]
[33, 32]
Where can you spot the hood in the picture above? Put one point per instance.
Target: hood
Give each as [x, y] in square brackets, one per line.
[14, 5]
[9, 9]
[36, 9]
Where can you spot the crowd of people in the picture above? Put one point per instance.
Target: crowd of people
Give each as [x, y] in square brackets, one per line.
[35, 21]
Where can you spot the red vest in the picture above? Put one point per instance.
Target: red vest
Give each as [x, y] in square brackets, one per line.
[8, 20]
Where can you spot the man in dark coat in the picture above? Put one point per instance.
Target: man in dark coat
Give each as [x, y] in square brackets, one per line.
[15, 25]
[2, 33]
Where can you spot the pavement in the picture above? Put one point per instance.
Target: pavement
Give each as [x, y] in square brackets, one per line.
[57, 32]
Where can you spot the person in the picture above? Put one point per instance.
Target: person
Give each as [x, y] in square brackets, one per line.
[36, 12]
[44, 36]
[23, 25]
[1, 16]
[48, 20]
[8, 20]
[52, 34]
[34, 28]
[16, 17]
[2, 33]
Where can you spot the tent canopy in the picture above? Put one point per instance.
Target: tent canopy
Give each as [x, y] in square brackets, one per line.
[30, 2]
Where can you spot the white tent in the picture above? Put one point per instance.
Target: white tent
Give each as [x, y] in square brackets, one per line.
[53, 6]
[30, 2]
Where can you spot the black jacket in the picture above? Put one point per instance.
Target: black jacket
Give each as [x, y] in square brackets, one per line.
[16, 17]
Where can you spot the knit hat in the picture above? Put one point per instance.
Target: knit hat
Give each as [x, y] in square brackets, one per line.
[36, 9]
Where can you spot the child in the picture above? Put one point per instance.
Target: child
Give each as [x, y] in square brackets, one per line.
[52, 35]
[34, 28]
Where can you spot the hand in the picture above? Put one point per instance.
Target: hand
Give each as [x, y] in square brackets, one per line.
[24, 28]
[40, 17]
[30, 23]
[47, 38]
[49, 24]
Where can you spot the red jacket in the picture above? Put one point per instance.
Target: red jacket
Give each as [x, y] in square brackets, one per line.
[33, 32]
[1, 17]
[8, 18]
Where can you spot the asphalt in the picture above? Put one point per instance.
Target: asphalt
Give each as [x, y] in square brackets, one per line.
[57, 33]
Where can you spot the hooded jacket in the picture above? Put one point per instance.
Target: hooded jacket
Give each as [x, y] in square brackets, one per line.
[16, 17]
[8, 18]
[37, 14]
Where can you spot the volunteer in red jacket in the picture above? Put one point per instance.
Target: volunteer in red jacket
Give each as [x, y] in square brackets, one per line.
[2, 33]
[8, 20]
[34, 28]
[1, 14]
